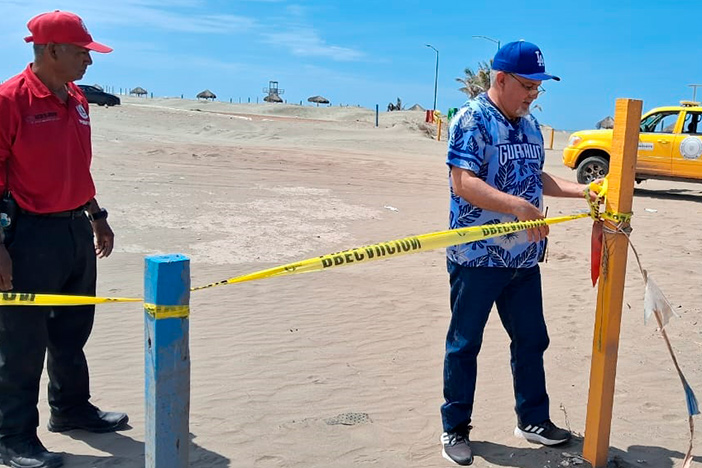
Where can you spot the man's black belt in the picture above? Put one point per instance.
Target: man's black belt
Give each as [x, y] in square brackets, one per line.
[76, 213]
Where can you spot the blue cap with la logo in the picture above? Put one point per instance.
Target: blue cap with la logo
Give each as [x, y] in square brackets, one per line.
[524, 59]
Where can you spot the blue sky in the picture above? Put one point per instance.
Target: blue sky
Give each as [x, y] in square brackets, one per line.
[368, 52]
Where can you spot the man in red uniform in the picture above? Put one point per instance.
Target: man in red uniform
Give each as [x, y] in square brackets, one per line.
[56, 230]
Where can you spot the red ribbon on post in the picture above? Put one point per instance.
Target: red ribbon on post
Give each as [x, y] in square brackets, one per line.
[595, 251]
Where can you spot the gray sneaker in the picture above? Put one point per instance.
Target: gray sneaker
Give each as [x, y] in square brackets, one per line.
[456, 448]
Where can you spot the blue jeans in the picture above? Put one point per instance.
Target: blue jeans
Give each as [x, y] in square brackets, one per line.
[517, 293]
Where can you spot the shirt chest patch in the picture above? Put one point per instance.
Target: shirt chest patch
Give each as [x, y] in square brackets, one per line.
[82, 114]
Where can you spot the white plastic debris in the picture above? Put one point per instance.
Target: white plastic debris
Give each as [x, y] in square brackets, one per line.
[656, 302]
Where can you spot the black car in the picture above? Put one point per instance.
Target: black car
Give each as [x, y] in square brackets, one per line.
[97, 96]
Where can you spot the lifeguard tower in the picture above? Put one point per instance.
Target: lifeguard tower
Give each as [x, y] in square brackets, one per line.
[273, 92]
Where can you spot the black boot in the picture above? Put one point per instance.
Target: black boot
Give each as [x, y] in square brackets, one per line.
[88, 418]
[27, 452]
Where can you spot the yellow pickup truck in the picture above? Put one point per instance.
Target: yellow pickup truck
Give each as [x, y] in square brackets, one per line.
[670, 147]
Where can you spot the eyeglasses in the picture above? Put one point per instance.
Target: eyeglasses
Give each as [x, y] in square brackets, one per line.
[529, 88]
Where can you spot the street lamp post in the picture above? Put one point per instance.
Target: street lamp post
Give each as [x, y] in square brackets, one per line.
[489, 39]
[436, 73]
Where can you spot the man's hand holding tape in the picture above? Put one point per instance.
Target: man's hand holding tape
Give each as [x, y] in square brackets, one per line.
[470, 187]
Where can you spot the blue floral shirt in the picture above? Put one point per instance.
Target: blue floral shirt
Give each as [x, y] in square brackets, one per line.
[508, 156]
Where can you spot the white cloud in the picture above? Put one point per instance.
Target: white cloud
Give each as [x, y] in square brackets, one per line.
[187, 16]
[137, 18]
[305, 42]
[202, 24]
[296, 10]
[144, 16]
[150, 56]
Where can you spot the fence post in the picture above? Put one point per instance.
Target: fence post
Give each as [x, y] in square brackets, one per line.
[167, 360]
[610, 294]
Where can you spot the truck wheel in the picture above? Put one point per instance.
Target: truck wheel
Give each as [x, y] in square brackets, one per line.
[592, 168]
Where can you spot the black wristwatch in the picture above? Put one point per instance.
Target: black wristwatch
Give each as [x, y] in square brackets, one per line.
[102, 214]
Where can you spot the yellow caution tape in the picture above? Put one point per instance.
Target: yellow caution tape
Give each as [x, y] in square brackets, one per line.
[29, 299]
[617, 217]
[395, 248]
[600, 189]
[601, 194]
[167, 311]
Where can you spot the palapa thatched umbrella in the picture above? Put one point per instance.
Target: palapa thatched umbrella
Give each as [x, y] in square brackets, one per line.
[607, 122]
[207, 94]
[318, 100]
[416, 107]
[273, 98]
[139, 91]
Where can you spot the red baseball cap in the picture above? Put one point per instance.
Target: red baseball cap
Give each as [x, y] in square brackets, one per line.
[62, 27]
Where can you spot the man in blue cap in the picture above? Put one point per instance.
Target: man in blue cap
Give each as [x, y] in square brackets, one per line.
[495, 158]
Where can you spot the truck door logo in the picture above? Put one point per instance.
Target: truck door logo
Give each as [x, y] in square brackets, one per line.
[691, 148]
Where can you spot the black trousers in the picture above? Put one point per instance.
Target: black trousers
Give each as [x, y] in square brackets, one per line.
[50, 255]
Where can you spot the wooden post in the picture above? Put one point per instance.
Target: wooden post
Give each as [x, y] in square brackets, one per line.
[553, 132]
[438, 130]
[167, 361]
[610, 293]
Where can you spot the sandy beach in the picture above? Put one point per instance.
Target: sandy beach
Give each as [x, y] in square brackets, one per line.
[344, 368]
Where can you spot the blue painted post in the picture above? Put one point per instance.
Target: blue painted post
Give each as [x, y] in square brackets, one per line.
[167, 360]
[376, 115]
